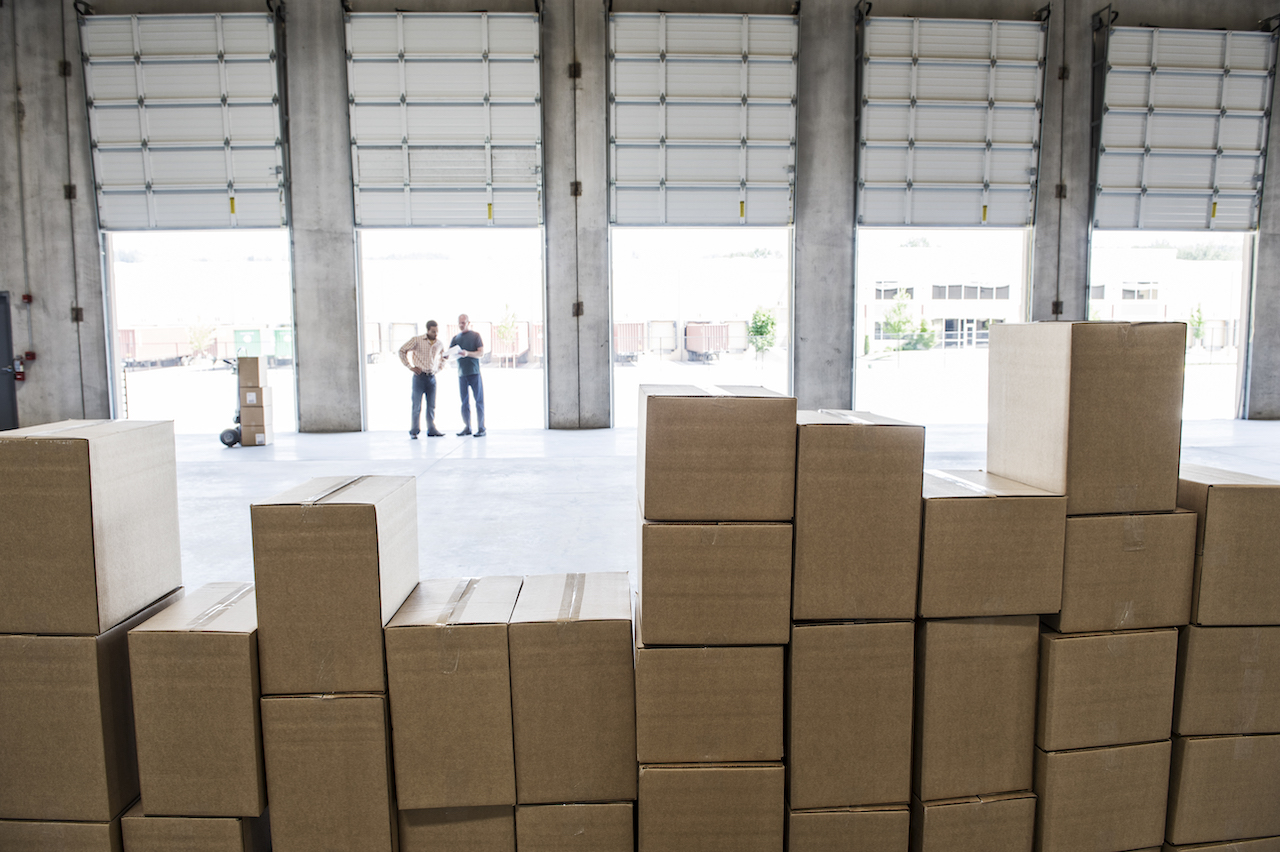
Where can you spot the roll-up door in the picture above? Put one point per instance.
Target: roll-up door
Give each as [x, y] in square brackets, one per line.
[184, 120]
[1181, 127]
[702, 119]
[949, 121]
[446, 119]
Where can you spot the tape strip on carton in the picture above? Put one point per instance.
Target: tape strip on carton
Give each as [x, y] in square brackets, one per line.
[329, 492]
[1135, 533]
[80, 424]
[962, 483]
[457, 602]
[229, 600]
[571, 602]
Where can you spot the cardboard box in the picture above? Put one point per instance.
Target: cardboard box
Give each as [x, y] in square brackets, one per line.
[975, 711]
[252, 371]
[1224, 788]
[1004, 821]
[849, 693]
[573, 698]
[485, 829]
[990, 546]
[144, 833]
[334, 559]
[1126, 572]
[257, 436]
[91, 531]
[449, 686]
[576, 828]
[251, 397]
[858, 480]
[1228, 681]
[1102, 799]
[194, 669]
[66, 725]
[875, 828]
[329, 773]
[1237, 545]
[1092, 410]
[725, 454]
[734, 807]
[708, 705]
[1264, 844]
[256, 415]
[37, 836]
[715, 584]
[1102, 689]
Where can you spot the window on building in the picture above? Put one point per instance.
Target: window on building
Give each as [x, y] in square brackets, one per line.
[1140, 293]
[1098, 294]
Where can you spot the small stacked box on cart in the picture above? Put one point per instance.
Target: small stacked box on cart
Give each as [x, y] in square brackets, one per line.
[255, 402]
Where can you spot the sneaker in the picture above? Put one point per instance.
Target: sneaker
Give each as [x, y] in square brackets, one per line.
[413, 436]
[480, 434]
[464, 432]
[435, 434]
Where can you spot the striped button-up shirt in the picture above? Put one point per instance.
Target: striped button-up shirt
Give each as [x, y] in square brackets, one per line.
[427, 354]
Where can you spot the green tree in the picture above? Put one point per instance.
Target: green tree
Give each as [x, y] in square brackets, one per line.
[762, 332]
[898, 322]
[1197, 324]
[200, 336]
[922, 339]
[506, 332]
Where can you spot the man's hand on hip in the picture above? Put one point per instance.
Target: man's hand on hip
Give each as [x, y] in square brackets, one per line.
[417, 371]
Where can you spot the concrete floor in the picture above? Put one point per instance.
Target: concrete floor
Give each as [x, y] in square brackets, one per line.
[523, 502]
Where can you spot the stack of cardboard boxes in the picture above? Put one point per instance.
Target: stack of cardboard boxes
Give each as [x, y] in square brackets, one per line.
[255, 402]
[90, 544]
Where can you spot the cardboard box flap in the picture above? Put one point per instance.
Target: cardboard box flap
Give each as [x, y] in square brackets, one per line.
[62, 429]
[985, 798]
[339, 491]
[854, 809]
[842, 417]
[1210, 476]
[214, 608]
[699, 767]
[438, 603]
[574, 597]
[749, 391]
[976, 483]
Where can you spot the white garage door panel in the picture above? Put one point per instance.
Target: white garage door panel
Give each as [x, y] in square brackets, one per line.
[446, 107]
[184, 120]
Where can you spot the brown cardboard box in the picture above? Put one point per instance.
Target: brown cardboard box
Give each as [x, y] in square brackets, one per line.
[194, 669]
[849, 693]
[1126, 572]
[573, 699]
[254, 396]
[66, 725]
[1228, 681]
[715, 584]
[1101, 799]
[1237, 545]
[1003, 821]
[329, 773]
[36, 836]
[730, 807]
[991, 546]
[449, 685]
[1102, 689]
[1092, 410]
[144, 833]
[484, 829]
[1224, 788]
[91, 530]
[256, 415]
[975, 713]
[723, 456]
[708, 705]
[1265, 844]
[252, 371]
[873, 828]
[576, 828]
[257, 436]
[857, 516]
[334, 559]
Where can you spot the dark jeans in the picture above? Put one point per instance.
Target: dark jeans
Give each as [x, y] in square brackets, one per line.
[424, 384]
[477, 390]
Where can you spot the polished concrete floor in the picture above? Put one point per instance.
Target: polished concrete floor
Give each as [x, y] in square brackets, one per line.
[523, 502]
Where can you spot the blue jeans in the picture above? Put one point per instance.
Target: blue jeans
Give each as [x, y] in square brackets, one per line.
[477, 390]
[424, 384]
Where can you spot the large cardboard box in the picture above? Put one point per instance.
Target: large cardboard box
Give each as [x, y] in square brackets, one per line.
[724, 454]
[449, 686]
[334, 559]
[849, 693]
[257, 436]
[484, 829]
[329, 773]
[1264, 844]
[1003, 821]
[576, 828]
[858, 479]
[1224, 788]
[715, 584]
[38, 836]
[251, 396]
[91, 524]
[256, 415]
[1102, 799]
[709, 705]
[1092, 410]
[1126, 572]
[975, 713]
[1228, 681]
[66, 725]
[252, 371]
[731, 807]
[573, 698]
[144, 833]
[873, 828]
[1237, 545]
[1101, 689]
[991, 546]
[194, 669]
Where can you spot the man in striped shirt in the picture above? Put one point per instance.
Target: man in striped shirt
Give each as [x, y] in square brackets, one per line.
[428, 355]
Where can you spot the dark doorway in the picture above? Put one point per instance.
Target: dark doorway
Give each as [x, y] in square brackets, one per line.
[8, 386]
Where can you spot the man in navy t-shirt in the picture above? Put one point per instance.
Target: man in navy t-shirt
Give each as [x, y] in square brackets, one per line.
[469, 373]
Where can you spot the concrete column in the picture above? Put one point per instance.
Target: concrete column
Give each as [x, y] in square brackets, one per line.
[823, 311]
[1262, 369]
[326, 299]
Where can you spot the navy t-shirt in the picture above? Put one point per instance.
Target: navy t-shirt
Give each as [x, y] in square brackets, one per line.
[471, 342]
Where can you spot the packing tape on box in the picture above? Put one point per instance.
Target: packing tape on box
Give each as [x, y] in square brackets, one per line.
[457, 602]
[962, 483]
[571, 602]
[846, 416]
[1124, 614]
[330, 491]
[1135, 533]
[229, 600]
[80, 424]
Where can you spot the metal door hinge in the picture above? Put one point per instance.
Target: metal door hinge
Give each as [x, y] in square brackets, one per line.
[69, 191]
[575, 188]
[575, 70]
[1060, 191]
[577, 309]
[77, 313]
[1064, 72]
[64, 68]
[1057, 308]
